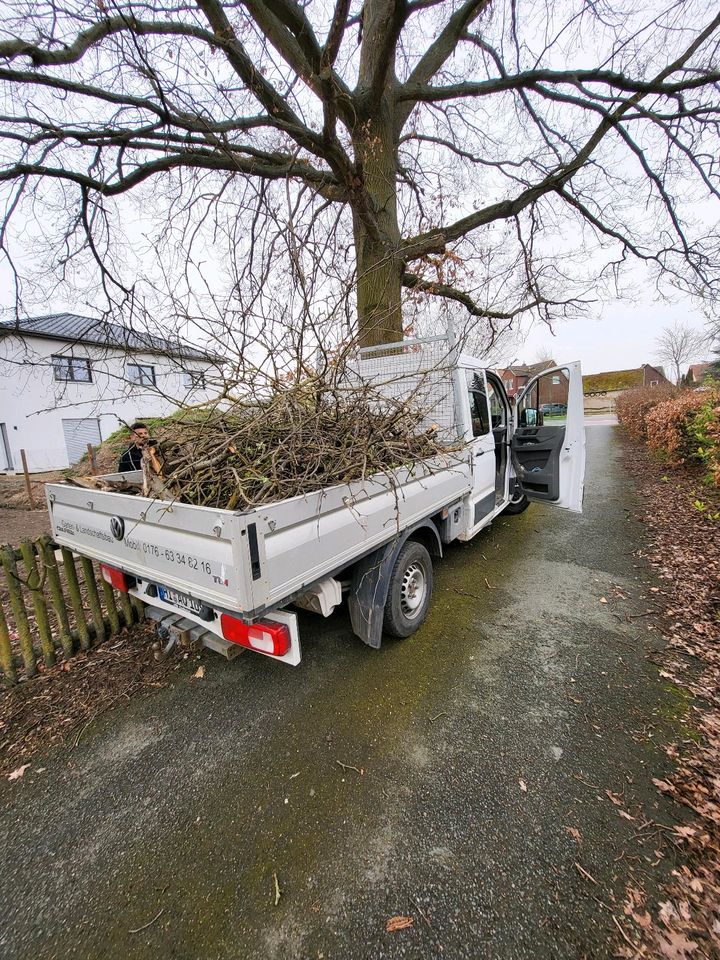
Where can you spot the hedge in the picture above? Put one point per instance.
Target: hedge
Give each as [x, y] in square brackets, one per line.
[633, 406]
[681, 425]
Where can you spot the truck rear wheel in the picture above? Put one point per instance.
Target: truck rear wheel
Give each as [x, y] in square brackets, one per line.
[411, 585]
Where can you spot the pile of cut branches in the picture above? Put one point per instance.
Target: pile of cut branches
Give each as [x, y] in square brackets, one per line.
[298, 440]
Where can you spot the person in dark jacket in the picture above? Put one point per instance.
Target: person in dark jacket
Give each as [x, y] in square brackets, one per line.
[132, 457]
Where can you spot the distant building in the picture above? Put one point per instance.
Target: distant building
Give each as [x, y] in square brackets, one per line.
[697, 372]
[516, 377]
[601, 390]
[67, 380]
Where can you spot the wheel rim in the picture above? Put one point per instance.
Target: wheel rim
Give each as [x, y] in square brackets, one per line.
[413, 590]
[517, 497]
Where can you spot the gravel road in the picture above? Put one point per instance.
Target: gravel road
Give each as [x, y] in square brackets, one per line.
[459, 778]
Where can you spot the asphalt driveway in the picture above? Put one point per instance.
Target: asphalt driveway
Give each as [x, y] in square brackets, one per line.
[489, 778]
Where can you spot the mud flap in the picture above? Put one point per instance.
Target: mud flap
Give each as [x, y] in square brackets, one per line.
[368, 593]
[371, 582]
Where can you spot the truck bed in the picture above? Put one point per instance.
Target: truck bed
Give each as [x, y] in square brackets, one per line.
[252, 561]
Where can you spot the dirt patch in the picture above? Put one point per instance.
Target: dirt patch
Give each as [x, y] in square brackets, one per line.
[17, 519]
[16, 525]
[682, 516]
[13, 491]
[60, 704]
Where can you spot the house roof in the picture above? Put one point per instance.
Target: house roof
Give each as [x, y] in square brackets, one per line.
[656, 367]
[612, 380]
[529, 369]
[698, 370]
[78, 329]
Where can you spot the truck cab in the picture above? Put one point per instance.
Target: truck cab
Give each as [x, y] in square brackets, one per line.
[528, 448]
[531, 448]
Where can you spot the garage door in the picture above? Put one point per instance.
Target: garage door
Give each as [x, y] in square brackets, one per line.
[78, 434]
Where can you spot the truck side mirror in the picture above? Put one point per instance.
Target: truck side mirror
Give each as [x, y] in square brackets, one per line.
[529, 417]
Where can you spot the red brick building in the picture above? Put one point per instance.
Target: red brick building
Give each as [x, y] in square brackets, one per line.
[516, 377]
[697, 372]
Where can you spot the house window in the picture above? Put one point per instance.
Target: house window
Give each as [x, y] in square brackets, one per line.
[556, 381]
[75, 369]
[653, 383]
[142, 374]
[508, 384]
[194, 379]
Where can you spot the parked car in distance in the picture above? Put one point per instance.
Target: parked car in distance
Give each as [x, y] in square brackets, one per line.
[553, 409]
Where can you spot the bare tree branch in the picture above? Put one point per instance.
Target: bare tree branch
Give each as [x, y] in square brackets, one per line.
[448, 292]
[275, 130]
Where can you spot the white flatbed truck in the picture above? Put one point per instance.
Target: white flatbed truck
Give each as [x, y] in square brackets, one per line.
[229, 578]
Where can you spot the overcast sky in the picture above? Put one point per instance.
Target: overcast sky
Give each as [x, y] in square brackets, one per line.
[616, 336]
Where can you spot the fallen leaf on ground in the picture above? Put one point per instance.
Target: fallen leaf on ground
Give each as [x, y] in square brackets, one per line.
[687, 833]
[199, 673]
[668, 914]
[663, 785]
[19, 772]
[574, 833]
[675, 946]
[398, 923]
[523, 786]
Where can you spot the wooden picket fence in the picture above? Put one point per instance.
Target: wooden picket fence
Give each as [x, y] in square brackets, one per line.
[53, 604]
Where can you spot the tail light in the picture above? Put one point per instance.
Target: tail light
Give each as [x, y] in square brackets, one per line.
[116, 578]
[263, 636]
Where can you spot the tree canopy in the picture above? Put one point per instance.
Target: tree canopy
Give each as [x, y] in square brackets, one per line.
[505, 157]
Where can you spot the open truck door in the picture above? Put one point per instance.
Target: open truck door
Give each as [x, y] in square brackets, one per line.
[548, 442]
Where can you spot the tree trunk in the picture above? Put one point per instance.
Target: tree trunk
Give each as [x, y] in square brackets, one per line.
[379, 271]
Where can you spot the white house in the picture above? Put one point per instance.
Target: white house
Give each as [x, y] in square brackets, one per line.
[66, 381]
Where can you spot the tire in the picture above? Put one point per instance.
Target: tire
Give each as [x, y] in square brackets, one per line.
[518, 504]
[411, 585]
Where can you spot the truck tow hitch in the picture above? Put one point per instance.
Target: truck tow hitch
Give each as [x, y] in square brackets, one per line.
[173, 629]
[170, 637]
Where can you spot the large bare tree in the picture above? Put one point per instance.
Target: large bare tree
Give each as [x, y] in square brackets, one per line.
[501, 155]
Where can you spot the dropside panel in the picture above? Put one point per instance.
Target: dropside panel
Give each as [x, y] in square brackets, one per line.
[201, 552]
[307, 538]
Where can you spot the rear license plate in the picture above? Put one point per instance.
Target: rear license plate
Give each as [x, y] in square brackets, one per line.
[184, 602]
